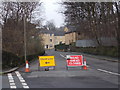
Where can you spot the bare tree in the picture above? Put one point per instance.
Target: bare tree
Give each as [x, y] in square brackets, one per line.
[93, 19]
[12, 15]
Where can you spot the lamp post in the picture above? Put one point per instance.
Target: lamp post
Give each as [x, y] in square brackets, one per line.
[24, 37]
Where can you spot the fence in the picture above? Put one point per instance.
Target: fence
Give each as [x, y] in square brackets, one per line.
[105, 41]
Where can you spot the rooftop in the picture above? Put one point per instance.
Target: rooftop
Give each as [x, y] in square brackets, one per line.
[55, 32]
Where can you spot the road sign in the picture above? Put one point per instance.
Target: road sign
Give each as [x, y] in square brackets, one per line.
[46, 61]
[74, 60]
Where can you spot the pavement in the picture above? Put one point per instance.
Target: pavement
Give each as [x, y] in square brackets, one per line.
[10, 70]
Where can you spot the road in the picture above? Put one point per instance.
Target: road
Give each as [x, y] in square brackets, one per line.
[100, 74]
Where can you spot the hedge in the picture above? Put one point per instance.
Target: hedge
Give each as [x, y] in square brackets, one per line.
[101, 50]
[10, 60]
[61, 47]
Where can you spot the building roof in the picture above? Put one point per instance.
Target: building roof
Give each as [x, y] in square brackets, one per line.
[59, 33]
[70, 32]
[71, 29]
[46, 31]
[55, 32]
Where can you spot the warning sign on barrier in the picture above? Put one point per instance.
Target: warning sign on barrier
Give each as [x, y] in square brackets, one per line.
[46, 61]
[74, 60]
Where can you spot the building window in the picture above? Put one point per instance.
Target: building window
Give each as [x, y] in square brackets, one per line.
[50, 40]
[47, 46]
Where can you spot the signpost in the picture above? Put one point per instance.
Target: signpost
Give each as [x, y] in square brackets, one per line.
[47, 62]
[74, 60]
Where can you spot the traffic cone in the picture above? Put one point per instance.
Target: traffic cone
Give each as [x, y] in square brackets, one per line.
[85, 66]
[27, 67]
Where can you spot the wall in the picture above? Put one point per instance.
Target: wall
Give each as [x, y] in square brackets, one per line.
[105, 41]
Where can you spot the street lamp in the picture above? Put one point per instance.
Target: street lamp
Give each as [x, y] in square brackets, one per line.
[25, 37]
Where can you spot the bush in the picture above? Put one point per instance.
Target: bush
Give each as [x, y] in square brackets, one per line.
[9, 60]
[61, 47]
[101, 50]
[31, 57]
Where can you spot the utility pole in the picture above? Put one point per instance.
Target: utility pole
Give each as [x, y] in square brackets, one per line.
[25, 36]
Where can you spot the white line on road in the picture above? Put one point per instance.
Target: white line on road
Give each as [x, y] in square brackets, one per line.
[12, 84]
[108, 72]
[21, 80]
[11, 81]
[13, 87]
[62, 56]
[24, 84]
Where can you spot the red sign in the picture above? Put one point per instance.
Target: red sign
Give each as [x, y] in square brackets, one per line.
[74, 60]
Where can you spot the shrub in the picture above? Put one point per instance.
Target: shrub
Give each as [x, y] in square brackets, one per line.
[9, 60]
[61, 47]
[101, 50]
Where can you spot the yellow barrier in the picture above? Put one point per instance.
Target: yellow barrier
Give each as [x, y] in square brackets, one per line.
[46, 61]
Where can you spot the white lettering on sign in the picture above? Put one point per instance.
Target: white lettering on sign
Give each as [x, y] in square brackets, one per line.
[75, 60]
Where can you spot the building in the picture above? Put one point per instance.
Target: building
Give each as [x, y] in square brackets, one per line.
[48, 40]
[51, 38]
[59, 38]
[54, 37]
[70, 37]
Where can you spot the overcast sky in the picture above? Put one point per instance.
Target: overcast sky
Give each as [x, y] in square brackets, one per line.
[51, 11]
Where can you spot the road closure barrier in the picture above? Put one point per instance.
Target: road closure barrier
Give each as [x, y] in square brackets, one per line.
[85, 66]
[47, 62]
[75, 61]
[27, 67]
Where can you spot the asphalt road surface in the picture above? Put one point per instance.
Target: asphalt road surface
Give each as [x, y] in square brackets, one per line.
[100, 74]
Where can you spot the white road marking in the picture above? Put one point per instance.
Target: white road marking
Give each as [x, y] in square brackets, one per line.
[21, 80]
[108, 72]
[24, 84]
[10, 78]
[11, 81]
[12, 84]
[13, 87]
[25, 87]
[62, 56]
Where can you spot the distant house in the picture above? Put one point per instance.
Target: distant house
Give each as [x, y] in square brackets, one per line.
[59, 38]
[52, 38]
[72, 36]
